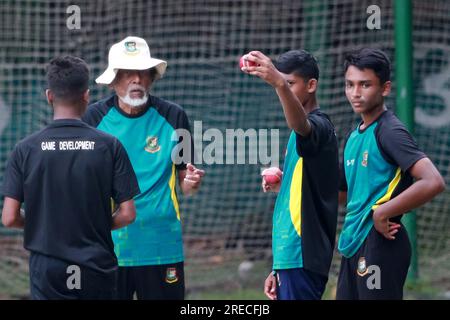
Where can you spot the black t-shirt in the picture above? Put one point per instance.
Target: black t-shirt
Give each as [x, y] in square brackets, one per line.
[320, 192]
[310, 189]
[66, 174]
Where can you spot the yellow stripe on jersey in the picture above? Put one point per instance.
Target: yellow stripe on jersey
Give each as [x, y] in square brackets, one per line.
[173, 194]
[295, 198]
[392, 185]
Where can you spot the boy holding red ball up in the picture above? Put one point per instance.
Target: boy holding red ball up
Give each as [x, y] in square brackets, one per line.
[305, 213]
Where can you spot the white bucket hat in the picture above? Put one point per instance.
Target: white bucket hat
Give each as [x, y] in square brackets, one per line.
[132, 53]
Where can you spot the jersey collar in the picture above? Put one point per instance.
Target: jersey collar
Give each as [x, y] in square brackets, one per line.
[375, 121]
[67, 122]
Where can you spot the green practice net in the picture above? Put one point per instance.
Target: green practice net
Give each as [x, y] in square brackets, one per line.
[227, 225]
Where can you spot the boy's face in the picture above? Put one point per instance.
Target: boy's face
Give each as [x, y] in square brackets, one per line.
[364, 90]
[301, 88]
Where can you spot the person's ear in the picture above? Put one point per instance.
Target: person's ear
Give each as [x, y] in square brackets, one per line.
[49, 96]
[387, 86]
[86, 97]
[312, 85]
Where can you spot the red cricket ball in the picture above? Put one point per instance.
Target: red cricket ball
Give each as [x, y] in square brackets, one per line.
[243, 62]
[272, 175]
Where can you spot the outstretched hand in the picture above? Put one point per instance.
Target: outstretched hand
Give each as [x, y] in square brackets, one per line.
[264, 69]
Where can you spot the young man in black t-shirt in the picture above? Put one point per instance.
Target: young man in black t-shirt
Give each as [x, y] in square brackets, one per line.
[66, 175]
[305, 213]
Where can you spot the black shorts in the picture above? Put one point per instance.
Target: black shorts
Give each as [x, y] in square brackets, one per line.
[378, 270]
[159, 282]
[55, 279]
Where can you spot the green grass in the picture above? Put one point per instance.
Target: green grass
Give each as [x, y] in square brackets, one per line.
[253, 293]
[239, 294]
[421, 290]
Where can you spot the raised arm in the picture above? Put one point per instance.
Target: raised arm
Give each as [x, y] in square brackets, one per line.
[295, 114]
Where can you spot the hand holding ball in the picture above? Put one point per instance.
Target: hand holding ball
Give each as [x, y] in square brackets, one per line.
[272, 175]
[243, 62]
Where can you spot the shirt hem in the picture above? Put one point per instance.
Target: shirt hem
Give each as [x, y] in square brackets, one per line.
[287, 266]
[128, 263]
[350, 253]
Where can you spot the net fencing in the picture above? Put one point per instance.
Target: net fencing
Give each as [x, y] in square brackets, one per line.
[227, 225]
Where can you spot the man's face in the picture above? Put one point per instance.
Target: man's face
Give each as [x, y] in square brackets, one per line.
[364, 90]
[299, 87]
[133, 86]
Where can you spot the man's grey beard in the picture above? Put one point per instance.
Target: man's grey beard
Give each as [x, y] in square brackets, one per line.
[135, 102]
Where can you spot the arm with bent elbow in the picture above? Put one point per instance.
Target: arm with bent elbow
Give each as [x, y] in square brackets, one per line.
[125, 215]
[294, 112]
[429, 183]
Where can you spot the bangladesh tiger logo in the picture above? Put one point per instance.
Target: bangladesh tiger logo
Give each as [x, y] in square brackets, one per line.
[362, 267]
[130, 47]
[151, 145]
[171, 275]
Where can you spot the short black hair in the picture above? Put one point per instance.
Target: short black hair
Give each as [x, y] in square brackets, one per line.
[68, 78]
[368, 58]
[300, 62]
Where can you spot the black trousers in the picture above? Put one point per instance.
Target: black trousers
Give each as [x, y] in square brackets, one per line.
[156, 282]
[378, 270]
[55, 279]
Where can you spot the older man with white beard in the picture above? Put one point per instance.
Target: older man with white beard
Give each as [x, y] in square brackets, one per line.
[149, 251]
